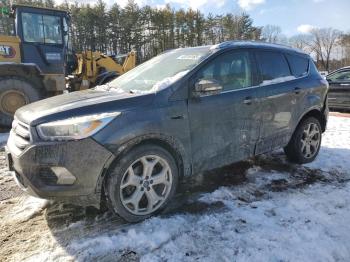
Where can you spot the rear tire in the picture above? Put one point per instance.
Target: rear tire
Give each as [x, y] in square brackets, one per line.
[305, 142]
[15, 93]
[142, 182]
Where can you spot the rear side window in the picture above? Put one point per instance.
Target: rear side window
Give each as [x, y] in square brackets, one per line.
[299, 65]
[274, 67]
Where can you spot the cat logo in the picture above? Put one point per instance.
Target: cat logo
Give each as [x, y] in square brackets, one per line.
[7, 51]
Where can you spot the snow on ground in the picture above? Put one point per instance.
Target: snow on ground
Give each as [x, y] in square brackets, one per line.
[28, 207]
[335, 154]
[276, 211]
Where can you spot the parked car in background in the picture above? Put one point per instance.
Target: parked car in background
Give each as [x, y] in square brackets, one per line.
[181, 113]
[323, 74]
[339, 89]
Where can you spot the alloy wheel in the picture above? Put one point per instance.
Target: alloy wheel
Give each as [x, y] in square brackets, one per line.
[146, 185]
[310, 140]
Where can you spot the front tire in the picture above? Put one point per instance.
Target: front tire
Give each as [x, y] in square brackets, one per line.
[15, 93]
[305, 142]
[142, 182]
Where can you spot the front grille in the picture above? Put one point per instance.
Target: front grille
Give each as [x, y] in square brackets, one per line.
[20, 134]
[48, 176]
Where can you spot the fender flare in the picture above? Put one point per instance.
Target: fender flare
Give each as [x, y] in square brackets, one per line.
[312, 111]
[168, 142]
[27, 71]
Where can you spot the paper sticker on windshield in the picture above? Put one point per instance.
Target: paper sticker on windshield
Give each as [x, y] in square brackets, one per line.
[189, 57]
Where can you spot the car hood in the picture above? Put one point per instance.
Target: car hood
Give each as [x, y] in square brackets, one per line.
[80, 103]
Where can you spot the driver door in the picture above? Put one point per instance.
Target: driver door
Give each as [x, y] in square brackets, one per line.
[224, 125]
[339, 89]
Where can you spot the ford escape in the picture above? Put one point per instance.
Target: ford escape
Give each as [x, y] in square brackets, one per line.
[185, 111]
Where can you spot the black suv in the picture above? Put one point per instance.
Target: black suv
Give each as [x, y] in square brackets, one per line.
[180, 113]
[339, 89]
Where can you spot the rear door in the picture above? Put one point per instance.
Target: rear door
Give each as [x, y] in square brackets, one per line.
[224, 126]
[339, 89]
[279, 94]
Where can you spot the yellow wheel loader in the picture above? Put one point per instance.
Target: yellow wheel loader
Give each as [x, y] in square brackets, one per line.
[33, 62]
[95, 68]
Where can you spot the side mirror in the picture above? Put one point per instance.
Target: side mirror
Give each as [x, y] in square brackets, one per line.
[206, 87]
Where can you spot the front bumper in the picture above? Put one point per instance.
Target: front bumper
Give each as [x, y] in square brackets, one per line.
[65, 171]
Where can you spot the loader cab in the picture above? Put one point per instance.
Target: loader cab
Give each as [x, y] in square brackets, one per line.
[44, 37]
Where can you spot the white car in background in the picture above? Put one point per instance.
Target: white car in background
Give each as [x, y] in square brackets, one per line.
[323, 74]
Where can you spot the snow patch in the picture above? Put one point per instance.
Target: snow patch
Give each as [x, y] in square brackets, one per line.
[108, 88]
[160, 85]
[143, 238]
[334, 154]
[28, 208]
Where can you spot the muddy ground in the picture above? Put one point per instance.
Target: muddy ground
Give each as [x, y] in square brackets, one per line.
[22, 235]
[38, 230]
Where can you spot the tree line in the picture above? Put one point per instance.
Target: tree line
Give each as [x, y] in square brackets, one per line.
[149, 31]
[329, 47]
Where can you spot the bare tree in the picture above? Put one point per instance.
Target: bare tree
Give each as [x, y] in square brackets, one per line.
[301, 41]
[322, 43]
[271, 33]
[345, 47]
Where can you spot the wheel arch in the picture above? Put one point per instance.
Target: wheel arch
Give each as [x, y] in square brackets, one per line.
[170, 144]
[318, 114]
[26, 72]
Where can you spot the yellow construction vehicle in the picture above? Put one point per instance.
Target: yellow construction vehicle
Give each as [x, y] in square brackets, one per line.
[95, 68]
[33, 62]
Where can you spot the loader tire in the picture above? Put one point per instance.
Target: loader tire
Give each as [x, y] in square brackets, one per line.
[15, 93]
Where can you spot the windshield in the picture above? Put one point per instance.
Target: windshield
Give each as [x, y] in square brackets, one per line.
[160, 71]
[39, 28]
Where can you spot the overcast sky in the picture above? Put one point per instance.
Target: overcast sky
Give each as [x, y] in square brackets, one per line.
[293, 16]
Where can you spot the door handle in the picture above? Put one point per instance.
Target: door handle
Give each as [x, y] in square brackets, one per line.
[297, 90]
[178, 117]
[247, 100]
[345, 84]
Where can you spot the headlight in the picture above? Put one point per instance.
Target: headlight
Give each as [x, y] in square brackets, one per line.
[76, 127]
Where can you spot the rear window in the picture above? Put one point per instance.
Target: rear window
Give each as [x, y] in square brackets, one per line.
[299, 65]
[274, 67]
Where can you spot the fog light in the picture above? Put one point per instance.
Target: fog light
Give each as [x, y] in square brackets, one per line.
[64, 177]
